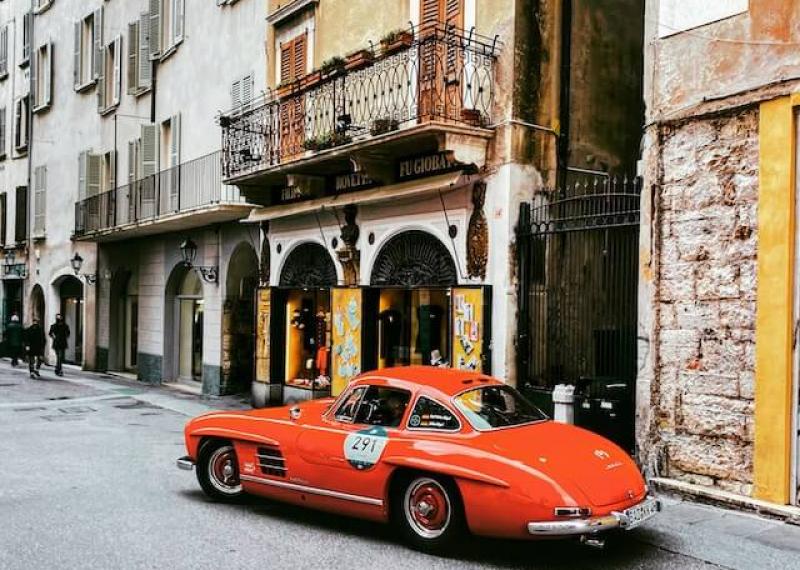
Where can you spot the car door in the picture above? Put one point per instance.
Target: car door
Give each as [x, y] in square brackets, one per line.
[344, 450]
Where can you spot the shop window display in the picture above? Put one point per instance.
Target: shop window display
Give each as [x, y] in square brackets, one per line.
[412, 327]
[308, 339]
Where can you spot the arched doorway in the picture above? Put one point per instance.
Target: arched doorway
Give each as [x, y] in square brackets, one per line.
[407, 310]
[38, 305]
[300, 328]
[124, 321]
[70, 292]
[238, 345]
[183, 326]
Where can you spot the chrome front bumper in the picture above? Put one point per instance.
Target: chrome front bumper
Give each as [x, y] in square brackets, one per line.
[592, 525]
[186, 463]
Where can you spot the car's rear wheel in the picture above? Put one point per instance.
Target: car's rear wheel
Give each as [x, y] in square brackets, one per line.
[218, 471]
[429, 512]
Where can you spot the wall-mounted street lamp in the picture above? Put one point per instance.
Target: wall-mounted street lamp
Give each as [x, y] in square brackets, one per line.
[13, 269]
[209, 273]
[77, 263]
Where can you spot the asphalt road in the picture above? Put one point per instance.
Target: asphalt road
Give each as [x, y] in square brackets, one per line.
[89, 481]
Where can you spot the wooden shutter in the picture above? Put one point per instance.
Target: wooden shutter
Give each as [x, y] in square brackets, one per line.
[247, 89]
[18, 136]
[21, 215]
[112, 170]
[4, 52]
[3, 217]
[101, 81]
[76, 55]
[83, 166]
[430, 14]
[26, 36]
[35, 63]
[236, 94]
[133, 64]
[97, 60]
[299, 56]
[454, 22]
[145, 69]
[149, 150]
[116, 88]
[3, 130]
[178, 11]
[155, 28]
[39, 198]
[131, 162]
[286, 61]
[175, 142]
[47, 74]
[94, 174]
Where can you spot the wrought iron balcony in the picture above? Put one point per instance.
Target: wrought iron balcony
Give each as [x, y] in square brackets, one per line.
[191, 194]
[440, 76]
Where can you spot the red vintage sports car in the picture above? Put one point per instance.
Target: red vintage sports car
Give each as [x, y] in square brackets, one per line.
[438, 452]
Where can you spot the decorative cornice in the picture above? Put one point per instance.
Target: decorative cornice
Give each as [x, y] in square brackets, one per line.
[291, 9]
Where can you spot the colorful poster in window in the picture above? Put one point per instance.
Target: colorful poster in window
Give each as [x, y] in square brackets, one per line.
[262, 335]
[468, 333]
[346, 307]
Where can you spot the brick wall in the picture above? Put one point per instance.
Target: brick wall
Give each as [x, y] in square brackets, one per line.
[705, 300]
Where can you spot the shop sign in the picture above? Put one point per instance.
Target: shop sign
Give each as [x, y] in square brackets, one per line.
[262, 335]
[351, 181]
[292, 194]
[427, 165]
[468, 334]
[346, 341]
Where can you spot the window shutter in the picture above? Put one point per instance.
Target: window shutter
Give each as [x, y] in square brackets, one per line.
[3, 131]
[4, 52]
[112, 170]
[430, 13]
[77, 56]
[34, 71]
[83, 165]
[453, 21]
[98, 61]
[3, 217]
[47, 75]
[247, 89]
[286, 62]
[145, 70]
[39, 196]
[21, 214]
[300, 60]
[94, 176]
[117, 79]
[133, 46]
[26, 36]
[149, 150]
[131, 162]
[155, 28]
[175, 143]
[101, 81]
[178, 11]
[18, 136]
[236, 94]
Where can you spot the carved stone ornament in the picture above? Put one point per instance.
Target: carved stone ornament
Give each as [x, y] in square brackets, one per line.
[348, 254]
[477, 234]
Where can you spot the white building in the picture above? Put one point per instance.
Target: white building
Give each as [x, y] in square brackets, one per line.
[123, 167]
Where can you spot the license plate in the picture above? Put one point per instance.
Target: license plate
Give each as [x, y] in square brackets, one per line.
[640, 513]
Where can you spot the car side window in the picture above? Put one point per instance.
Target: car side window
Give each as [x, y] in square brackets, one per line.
[382, 406]
[429, 414]
[347, 409]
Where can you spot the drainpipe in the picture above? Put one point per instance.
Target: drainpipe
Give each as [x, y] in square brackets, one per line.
[564, 96]
[29, 118]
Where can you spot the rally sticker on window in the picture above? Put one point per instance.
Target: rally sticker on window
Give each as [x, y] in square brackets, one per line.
[364, 448]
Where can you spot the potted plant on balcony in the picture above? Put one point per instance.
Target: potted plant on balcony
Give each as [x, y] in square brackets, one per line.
[332, 66]
[359, 59]
[383, 125]
[312, 144]
[396, 40]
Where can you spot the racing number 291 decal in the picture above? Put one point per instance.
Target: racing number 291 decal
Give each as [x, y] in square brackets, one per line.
[363, 449]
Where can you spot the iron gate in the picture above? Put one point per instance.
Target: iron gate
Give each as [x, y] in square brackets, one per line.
[578, 258]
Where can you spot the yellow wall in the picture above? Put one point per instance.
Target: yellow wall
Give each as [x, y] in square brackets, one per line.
[776, 234]
[344, 26]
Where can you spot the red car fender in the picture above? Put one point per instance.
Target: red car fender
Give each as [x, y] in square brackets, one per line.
[197, 434]
[445, 469]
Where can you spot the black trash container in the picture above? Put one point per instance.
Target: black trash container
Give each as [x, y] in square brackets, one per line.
[604, 405]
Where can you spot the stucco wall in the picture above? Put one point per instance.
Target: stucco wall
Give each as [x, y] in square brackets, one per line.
[703, 307]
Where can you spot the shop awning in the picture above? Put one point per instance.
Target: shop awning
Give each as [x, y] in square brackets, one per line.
[408, 189]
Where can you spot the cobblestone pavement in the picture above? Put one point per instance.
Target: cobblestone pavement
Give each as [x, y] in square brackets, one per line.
[87, 464]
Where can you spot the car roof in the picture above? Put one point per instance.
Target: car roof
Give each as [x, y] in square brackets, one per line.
[448, 381]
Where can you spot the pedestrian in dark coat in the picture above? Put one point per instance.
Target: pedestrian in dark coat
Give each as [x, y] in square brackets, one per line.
[34, 347]
[14, 339]
[59, 332]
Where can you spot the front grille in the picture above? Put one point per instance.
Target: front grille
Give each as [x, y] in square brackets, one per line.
[271, 462]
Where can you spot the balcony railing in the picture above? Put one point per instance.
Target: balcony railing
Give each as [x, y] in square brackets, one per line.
[438, 75]
[189, 186]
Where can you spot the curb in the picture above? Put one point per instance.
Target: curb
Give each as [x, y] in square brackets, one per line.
[719, 498]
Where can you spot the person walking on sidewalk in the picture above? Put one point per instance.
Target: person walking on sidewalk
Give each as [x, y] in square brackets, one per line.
[14, 339]
[59, 332]
[34, 347]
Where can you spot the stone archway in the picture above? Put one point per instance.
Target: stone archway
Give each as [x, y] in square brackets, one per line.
[183, 325]
[238, 341]
[69, 290]
[37, 305]
[414, 258]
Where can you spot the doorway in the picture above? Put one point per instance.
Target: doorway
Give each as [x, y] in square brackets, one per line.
[37, 305]
[190, 307]
[71, 294]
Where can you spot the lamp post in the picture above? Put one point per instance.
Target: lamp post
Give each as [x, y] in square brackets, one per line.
[77, 263]
[12, 268]
[209, 273]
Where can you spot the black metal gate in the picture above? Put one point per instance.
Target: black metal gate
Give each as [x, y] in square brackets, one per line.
[577, 258]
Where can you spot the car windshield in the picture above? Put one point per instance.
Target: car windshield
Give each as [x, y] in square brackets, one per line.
[491, 407]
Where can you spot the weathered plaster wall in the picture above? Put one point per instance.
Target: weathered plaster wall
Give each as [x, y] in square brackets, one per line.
[704, 301]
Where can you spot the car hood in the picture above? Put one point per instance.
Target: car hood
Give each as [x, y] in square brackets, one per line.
[602, 471]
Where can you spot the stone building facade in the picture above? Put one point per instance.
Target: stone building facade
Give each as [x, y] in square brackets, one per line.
[716, 403]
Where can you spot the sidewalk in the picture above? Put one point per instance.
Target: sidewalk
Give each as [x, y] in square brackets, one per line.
[719, 537]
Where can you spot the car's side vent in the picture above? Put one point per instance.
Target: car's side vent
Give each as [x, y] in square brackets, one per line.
[271, 461]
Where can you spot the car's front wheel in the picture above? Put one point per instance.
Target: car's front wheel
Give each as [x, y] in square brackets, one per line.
[429, 512]
[218, 471]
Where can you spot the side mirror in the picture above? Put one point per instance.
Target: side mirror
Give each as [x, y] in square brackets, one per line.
[294, 413]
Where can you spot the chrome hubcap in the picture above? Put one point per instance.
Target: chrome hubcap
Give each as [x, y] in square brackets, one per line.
[222, 471]
[427, 507]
